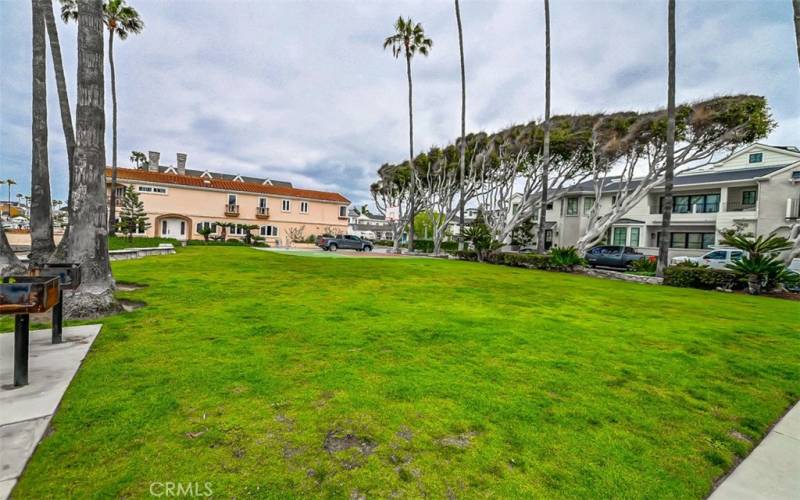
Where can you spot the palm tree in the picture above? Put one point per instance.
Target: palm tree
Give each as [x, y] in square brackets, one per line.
[796, 5]
[88, 243]
[138, 158]
[63, 102]
[42, 244]
[540, 243]
[463, 144]
[123, 20]
[669, 172]
[408, 39]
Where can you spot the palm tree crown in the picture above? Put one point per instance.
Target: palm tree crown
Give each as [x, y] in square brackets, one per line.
[118, 16]
[408, 39]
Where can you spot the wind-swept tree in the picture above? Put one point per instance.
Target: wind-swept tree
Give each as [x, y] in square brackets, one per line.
[88, 234]
[121, 20]
[42, 244]
[669, 165]
[390, 194]
[407, 40]
[631, 143]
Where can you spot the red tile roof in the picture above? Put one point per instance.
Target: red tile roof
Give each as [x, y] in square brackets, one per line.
[224, 185]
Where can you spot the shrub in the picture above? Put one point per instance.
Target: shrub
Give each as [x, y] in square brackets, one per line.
[643, 266]
[383, 243]
[471, 255]
[565, 258]
[703, 278]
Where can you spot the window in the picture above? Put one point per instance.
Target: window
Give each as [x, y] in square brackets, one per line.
[620, 235]
[269, 230]
[152, 189]
[572, 206]
[206, 224]
[262, 203]
[342, 211]
[231, 199]
[691, 240]
[705, 203]
[588, 203]
[716, 255]
[635, 236]
[736, 256]
[748, 197]
[755, 158]
[303, 207]
[549, 206]
[286, 205]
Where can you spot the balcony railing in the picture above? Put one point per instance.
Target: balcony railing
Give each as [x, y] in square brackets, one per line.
[232, 210]
[738, 206]
[683, 209]
[262, 212]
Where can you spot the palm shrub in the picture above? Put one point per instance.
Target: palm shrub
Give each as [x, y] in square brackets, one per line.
[565, 258]
[761, 272]
[761, 268]
[479, 235]
[205, 232]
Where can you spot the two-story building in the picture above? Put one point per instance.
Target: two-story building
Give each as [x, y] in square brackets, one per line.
[756, 188]
[180, 201]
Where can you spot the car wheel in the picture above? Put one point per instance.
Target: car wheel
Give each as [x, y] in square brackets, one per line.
[367, 248]
[332, 247]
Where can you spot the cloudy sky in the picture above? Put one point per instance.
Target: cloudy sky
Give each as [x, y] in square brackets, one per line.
[303, 91]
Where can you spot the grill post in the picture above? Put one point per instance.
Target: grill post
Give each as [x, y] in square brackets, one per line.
[21, 347]
[58, 318]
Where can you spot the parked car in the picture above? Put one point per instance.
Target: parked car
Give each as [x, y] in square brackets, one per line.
[344, 242]
[612, 256]
[715, 259]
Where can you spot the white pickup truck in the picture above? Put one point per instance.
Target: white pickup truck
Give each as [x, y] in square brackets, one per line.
[715, 259]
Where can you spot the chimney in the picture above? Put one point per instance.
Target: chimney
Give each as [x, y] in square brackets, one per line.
[181, 163]
[152, 162]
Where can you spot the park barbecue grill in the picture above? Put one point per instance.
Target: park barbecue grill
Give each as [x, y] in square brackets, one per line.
[70, 278]
[22, 296]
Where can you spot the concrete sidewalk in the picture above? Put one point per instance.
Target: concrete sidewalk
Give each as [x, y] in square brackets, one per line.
[26, 411]
[772, 470]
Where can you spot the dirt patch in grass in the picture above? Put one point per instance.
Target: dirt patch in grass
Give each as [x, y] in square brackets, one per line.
[335, 442]
[461, 441]
[131, 305]
[740, 437]
[126, 286]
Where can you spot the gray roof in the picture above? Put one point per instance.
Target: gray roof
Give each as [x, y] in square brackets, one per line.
[226, 177]
[685, 179]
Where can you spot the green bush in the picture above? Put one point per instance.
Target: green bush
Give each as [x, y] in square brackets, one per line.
[642, 266]
[703, 278]
[565, 258]
[426, 246]
[471, 255]
[119, 242]
[383, 243]
[530, 260]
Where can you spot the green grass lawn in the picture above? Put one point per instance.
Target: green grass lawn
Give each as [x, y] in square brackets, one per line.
[420, 377]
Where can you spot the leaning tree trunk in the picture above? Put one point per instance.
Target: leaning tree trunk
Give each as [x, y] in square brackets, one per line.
[88, 237]
[41, 208]
[540, 243]
[669, 172]
[66, 114]
[796, 5]
[754, 284]
[112, 206]
[9, 263]
[412, 195]
[462, 147]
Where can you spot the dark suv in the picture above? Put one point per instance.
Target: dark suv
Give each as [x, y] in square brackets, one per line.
[344, 242]
[612, 256]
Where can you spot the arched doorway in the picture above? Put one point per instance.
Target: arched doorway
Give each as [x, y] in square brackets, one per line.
[173, 226]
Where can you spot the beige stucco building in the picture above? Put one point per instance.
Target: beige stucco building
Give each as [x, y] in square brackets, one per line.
[179, 201]
[756, 188]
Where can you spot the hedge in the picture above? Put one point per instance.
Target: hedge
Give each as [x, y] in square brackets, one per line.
[529, 260]
[704, 278]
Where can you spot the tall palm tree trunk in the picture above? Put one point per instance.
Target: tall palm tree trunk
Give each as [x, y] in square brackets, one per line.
[9, 263]
[666, 220]
[463, 145]
[41, 212]
[112, 206]
[88, 243]
[796, 6]
[63, 102]
[540, 243]
[412, 195]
